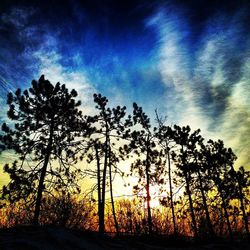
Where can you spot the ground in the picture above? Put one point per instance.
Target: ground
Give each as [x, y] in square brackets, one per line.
[53, 238]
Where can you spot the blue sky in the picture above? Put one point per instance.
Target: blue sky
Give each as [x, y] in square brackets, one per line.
[188, 59]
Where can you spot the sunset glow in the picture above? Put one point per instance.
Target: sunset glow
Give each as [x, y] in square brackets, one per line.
[126, 118]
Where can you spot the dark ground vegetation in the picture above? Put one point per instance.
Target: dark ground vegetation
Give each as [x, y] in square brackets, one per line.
[52, 237]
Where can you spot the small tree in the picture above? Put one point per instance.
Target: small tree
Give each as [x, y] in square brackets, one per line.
[44, 120]
[242, 181]
[165, 136]
[220, 161]
[204, 183]
[185, 162]
[109, 128]
[148, 169]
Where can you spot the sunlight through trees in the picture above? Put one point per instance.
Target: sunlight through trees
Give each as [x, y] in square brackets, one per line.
[199, 191]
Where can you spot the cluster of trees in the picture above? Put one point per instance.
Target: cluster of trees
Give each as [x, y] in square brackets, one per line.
[55, 144]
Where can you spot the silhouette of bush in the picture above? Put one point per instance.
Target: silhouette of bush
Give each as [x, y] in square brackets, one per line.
[65, 211]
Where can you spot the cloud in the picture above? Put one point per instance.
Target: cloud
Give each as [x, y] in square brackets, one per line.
[236, 119]
[219, 62]
[39, 53]
[174, 66]
[33, 51]
[17, 39]
[17, 17]
[207, 82]
[223, 74]
[200, 77]
[49, 65]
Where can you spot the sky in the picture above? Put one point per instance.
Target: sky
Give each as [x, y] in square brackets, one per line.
[190, 60]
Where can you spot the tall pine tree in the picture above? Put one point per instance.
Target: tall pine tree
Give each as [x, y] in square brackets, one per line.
[42, 133]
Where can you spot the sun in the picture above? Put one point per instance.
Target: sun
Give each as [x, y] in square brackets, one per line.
[154, 202]
[154, 193]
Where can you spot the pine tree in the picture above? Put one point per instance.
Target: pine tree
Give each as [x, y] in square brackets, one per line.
[220, 161]
[241, 179]
[42, 133]
[185, 162]
[165, 136]
[148, 165]
[110, 127]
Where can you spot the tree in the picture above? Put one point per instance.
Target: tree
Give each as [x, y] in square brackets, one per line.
[203, 180]
[165, 137]
[242, 181]
[185, 162]
[42, 133]
[110, 127]
[143, 142]
[220, 161]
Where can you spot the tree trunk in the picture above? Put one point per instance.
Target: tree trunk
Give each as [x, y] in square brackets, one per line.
[102, 205]
[148, 194]
[209, 223]
[243, 210]
[111, 195]
[42, 177]
[226, 214]
[171, 193]
[102, 210]
[194, 226]
[100, 217]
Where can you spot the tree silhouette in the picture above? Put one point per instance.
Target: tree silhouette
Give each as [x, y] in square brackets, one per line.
[165, 135]
[45, 118]
[204, 182]
[47, 134]
[110, 128]
[143, 142]
[242, 181]
[220, 161]
[186, 163]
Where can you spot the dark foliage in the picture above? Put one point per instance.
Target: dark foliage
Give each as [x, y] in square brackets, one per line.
[44, 125]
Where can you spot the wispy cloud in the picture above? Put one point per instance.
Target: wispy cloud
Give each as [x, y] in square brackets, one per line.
[39, 54]
[235, 121]
[199, 77]
[223, 73]
[18, 17]
[207, 84]
[174, 66]
[49, 60]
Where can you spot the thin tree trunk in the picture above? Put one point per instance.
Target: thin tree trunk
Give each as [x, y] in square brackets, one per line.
[111, 195]
[171, 194]
[42, 177]
[194, 225]
[102, 212]
[148, 194]
[226, 214]
[209, 223]
[243, 210]
[100, 217]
